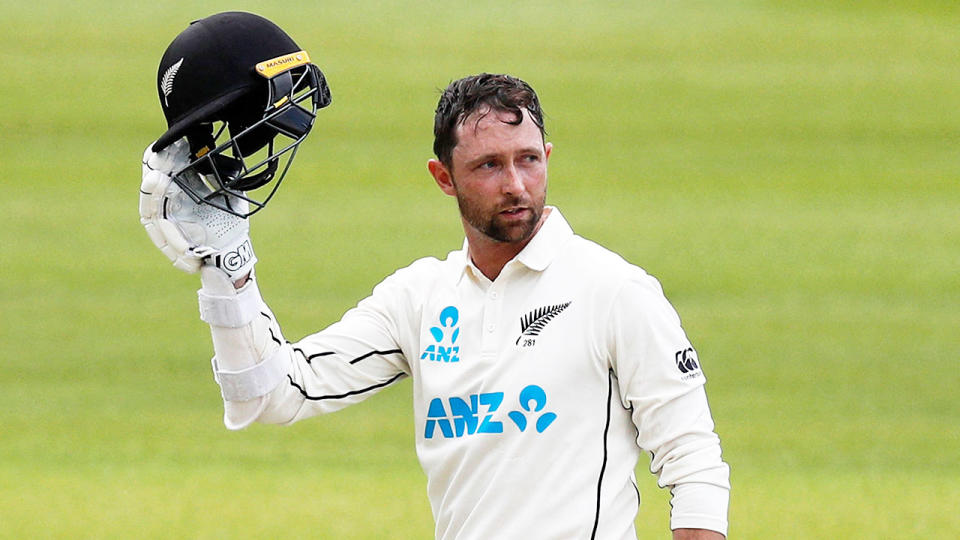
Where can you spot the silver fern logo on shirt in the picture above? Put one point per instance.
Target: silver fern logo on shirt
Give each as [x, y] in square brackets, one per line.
[534, 322]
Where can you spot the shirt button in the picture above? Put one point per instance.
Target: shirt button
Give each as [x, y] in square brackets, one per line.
[490, 328]
[494, 295]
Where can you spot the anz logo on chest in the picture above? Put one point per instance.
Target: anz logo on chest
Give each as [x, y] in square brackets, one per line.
[444, 347]
[476, 414]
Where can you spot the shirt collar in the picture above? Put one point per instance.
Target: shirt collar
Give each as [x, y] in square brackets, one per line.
[548, 241]
[536, 255]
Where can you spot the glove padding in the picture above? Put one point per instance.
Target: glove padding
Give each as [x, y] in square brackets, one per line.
[189, 233]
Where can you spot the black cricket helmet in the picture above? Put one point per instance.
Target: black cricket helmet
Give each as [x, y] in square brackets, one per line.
[245, 96]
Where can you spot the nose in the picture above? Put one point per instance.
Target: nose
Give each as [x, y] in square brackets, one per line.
[512, 183]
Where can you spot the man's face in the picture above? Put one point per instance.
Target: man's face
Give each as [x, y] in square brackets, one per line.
[499, 175]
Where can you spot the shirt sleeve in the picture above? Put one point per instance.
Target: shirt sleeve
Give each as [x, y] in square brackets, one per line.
[343, 364]
[662, 382]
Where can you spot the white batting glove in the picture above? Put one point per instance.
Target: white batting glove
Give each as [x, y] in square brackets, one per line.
[189, 233]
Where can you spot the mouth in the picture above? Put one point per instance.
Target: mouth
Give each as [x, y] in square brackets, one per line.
[515, 212]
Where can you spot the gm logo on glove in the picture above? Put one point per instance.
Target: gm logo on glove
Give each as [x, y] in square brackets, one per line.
[231, 261]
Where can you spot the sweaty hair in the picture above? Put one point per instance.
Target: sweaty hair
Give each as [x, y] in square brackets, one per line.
[480, 93]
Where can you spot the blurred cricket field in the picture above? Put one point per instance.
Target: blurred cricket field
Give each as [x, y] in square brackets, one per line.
[790, 171]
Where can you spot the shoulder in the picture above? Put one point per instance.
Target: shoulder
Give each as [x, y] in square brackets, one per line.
[620, 293]
[401, 294]
[606, 268]
[426, 272]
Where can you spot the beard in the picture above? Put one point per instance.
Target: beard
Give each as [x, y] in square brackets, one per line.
[495, 226]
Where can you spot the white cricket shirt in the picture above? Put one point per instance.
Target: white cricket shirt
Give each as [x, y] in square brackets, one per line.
[534, 394]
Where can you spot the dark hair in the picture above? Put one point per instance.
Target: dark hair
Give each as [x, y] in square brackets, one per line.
[468, 95]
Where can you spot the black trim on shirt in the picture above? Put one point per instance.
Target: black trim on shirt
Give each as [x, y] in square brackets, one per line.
[310, 358]
[328, 353]
[274, 337]
[348, 394]
[371, 353]
[603, 468]
[270, 329]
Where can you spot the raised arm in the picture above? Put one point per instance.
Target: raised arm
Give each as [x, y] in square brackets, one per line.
[262, 376]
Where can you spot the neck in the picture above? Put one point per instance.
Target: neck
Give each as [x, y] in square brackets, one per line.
[489, 255]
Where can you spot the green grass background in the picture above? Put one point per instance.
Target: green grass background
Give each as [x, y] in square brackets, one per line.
[789, 170]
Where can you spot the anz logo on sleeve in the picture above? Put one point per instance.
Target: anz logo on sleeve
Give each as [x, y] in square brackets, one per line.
[482, 413]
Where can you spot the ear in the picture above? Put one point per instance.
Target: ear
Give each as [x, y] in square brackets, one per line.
[442, 177]
[547, 148]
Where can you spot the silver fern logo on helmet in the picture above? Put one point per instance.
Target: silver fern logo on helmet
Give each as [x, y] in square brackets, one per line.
[166, 83]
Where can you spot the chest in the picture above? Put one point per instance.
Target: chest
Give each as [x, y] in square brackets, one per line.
[530, 345]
